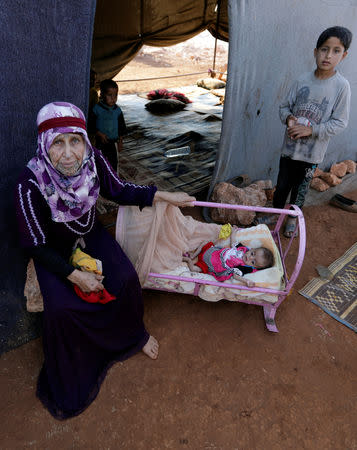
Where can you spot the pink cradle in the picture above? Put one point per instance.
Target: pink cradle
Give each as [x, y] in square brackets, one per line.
[269, 309]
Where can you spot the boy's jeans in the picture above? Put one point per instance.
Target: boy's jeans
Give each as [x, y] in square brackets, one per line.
[295, 177]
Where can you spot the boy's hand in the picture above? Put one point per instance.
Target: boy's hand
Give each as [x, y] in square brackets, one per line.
[249, 283]
[299, 131]
[291, 120]
[103, 137]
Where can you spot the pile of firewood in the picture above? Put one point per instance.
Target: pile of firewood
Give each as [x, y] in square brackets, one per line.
[324, 180]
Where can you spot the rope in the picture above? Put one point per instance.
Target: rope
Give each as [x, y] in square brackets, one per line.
[159, 78]
[170, 76]
[215, 71]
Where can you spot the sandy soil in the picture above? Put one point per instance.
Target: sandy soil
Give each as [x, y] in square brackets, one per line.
[222, 381]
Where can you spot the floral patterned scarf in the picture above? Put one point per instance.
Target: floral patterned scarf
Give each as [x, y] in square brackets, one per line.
[69, 197]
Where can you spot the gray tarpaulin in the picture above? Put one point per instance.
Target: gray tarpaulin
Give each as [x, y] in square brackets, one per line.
[270, 44]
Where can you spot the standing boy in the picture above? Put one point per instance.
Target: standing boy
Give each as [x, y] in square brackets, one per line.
[316, 108]
[107, 121]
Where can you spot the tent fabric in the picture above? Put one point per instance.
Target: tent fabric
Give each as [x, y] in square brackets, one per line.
[270, 44]
[220, 30]
[122, 28]
[45, 57]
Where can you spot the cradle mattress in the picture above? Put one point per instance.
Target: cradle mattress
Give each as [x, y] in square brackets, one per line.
[271, 277]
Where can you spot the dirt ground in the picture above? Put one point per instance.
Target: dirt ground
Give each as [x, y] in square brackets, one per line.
[222, 381]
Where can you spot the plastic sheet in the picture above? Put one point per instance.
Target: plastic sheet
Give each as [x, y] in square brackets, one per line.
[271, 43]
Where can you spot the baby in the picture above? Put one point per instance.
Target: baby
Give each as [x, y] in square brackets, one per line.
[225, 262]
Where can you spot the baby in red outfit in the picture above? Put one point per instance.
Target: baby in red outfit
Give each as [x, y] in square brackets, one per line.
[226, 262]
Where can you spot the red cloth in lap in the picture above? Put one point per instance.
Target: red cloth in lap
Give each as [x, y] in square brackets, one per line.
[94, 297]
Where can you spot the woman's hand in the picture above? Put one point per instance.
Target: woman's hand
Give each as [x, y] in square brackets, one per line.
[175, 198]
[86, 281]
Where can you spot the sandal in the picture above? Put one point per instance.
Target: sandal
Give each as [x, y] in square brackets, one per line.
[290, 227]
[344, 203]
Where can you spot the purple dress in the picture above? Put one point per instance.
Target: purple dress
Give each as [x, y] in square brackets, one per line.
[82, 340]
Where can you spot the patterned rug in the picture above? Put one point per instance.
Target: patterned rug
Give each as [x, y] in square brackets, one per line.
[150, 136]
[337, 294]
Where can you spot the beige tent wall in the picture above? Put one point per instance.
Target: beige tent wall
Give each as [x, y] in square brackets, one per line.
[121, 28]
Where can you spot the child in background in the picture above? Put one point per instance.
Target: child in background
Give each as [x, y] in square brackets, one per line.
[316, 108]
[107, 120]
[226, 262]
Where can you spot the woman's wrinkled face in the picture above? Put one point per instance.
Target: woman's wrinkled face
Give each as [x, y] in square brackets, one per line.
[66, 153]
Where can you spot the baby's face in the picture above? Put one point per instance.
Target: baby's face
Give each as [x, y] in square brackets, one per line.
[254, 257]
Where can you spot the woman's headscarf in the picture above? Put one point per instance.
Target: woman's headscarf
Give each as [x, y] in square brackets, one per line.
[69, 197]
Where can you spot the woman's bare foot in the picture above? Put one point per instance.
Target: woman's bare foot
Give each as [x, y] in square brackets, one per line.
[151, 348]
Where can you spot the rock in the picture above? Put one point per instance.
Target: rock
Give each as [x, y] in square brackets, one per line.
[319, 185]
[318, 172]
[324, 272]
[351, 165]
[339, 169]
[264, 184]
[331, 179]
[164, 106]
[270, 194]
[227, 193]
[211, 83]
[267, 187]
[255, 195]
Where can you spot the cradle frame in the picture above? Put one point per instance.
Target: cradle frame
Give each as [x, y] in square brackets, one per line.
[269, 309]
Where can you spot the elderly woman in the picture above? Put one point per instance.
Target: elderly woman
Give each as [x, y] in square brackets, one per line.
[55, 199]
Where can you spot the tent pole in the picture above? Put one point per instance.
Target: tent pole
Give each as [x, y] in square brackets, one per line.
[217, 23]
